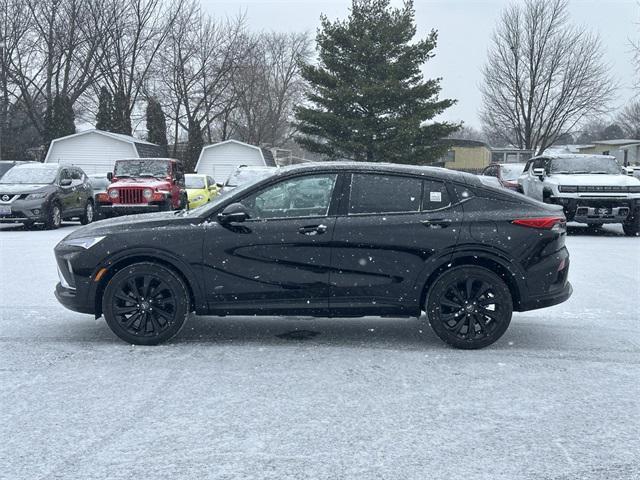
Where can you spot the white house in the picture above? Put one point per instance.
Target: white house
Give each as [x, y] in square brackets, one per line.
[95, 151]
[221, 159]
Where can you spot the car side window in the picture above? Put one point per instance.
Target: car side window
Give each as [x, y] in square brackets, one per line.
[308, 196]
[210, 181]
[375, 193]
[65, 174]
[436, 196]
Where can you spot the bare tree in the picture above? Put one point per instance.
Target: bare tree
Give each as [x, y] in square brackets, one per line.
[270, 87]
[54, 51]
[135, 33]
[629, 120]
[542, 76]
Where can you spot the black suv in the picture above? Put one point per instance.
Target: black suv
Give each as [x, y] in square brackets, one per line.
[334, 239]
[45, 193]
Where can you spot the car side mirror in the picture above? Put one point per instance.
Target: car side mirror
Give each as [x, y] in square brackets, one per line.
[234, 213]
[65, 182]
[109, 176]
[219, 185]
[538, 172]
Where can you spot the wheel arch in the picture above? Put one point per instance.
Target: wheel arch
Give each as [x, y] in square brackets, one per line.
[494, 263]
[115, 265]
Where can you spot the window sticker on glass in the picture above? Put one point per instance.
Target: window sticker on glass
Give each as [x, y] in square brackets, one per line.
[435, 196]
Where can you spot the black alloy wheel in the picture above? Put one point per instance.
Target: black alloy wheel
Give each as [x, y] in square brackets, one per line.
[469, 307]
[145, 303]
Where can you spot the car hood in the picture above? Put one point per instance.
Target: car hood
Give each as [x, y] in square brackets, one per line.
[152, 183]
[129, 222]
[22, 187]
[593, 179]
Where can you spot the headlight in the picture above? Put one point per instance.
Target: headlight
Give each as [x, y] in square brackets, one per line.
[113, 193]
[568, 188]
[147, 193]
[36, 196]
[634, 189]
[197, 198]
[84, 242]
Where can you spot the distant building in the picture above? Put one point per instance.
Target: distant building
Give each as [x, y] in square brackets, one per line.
[466, 155]
[95, 151]
[510, 155]
[221, 159]
[626, 151]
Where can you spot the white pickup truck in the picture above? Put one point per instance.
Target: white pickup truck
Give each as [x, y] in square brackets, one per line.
[592, 189]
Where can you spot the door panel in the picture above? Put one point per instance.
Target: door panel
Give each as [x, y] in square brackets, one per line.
[377, 258]
[279, 260]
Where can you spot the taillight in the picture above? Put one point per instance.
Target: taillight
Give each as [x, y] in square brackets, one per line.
[544, 223]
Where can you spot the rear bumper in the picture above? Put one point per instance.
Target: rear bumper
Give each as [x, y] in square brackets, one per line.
[547, 300]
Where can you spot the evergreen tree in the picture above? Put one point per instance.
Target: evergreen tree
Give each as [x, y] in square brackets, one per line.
[121, 115]
[59, 119]
[104, 118]
[194, 146]
[156, 123]
[368, 98]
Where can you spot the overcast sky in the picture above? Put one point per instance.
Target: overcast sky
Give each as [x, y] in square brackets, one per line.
[464, 28]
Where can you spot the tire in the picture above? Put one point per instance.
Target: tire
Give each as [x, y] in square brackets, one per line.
[89, 213]
[632, 226]
[166, 206]
[54, 216]
[465, 298]
[146, 304]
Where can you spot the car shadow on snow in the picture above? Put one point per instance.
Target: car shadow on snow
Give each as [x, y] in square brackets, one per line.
[19, 227]
[612, 230]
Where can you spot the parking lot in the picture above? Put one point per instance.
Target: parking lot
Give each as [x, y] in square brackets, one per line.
[556, 397]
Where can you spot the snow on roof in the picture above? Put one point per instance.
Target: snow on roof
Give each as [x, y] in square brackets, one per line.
[117, 136]
[615, 142]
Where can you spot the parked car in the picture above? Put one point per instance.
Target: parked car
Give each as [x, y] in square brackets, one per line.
[590, 188]
[245, 174]
[506, 173]
[633, 170]
[200, 189]
[337, 239]
[99, 184]
[5, 165]
[142, 185]
[45, 193]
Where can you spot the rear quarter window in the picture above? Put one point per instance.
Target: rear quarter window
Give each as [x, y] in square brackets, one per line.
[374, 193]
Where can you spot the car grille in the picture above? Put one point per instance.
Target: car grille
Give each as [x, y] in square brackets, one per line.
[130, 196]
[596, 189]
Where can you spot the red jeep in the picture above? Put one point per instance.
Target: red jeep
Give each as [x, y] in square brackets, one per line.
[144, 185]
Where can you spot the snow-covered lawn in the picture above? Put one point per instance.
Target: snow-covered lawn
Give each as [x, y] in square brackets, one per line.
[556, 397]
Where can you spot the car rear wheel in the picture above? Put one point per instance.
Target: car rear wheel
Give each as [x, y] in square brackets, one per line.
[145, 303]
[632, 226]
[89, 213]
[469, 307]
[54, 217]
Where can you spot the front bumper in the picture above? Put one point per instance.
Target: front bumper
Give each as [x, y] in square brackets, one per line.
[596, 209]
[24, 211]
[123, 209]
[70, 299]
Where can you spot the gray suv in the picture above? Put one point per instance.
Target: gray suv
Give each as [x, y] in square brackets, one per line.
[45, 193]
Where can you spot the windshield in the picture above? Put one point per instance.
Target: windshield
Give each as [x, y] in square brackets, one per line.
[584, 165]
[38, 174]
[512, 172]
[244, 176]
[194, 182]
[142, 168]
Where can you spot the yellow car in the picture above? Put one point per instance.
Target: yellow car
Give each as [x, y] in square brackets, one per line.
[200, 189]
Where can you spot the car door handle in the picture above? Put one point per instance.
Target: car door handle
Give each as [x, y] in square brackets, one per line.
[436, 223]
[312, 230]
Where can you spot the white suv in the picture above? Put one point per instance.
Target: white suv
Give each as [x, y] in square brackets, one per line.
[592, 189]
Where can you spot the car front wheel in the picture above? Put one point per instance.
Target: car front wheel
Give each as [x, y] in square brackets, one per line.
[54, 217]
[469, 307]
[145, 303]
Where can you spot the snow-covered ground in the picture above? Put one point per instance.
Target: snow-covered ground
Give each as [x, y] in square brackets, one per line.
[556, 397]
